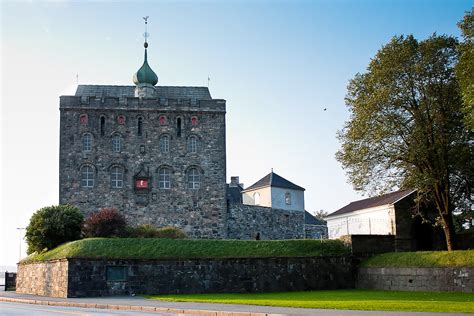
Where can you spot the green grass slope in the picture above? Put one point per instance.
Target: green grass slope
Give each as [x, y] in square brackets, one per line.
[154, 248]
[342, 299]
[421, 259]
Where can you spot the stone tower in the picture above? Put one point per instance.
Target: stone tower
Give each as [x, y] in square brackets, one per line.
[155, 153]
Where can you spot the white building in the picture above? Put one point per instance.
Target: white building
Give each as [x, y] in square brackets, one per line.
[372, 216]
[276, 192]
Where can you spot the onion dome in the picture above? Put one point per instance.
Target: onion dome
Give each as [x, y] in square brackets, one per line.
[145, 75]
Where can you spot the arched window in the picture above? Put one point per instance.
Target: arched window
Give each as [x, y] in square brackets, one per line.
[140, 126]
[192, 144]
[178, 127]
[102, 125]
[87, 177]
[164, 144]
[288, 198]
[116, 177]
[194, 121]
[193, 178]
[256, 198]
[164, 178]
[116, 143]
[87, 142]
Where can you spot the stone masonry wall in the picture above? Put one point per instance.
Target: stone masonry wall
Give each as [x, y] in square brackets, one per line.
[93, 277]
[315, 231]
[199, 212]
[48, 278]
[417, 279]
[245, 221]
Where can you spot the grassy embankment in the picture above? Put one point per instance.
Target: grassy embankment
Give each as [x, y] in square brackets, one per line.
[422, 259]
[154, 248]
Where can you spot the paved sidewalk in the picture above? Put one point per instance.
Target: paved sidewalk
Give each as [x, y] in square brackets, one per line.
[142, 304]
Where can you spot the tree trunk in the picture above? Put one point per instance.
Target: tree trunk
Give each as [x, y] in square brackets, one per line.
[445, 209]
[448, 228]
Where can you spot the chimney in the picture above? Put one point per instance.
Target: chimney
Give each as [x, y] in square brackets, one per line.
[234, 181]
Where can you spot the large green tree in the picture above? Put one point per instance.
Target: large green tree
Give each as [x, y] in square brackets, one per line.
[465, 67]
[406, 127]
[53, 225]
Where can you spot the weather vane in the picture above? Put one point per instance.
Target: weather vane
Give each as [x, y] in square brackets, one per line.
[146, 35]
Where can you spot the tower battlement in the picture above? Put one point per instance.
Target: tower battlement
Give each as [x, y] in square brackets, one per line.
[162, 103]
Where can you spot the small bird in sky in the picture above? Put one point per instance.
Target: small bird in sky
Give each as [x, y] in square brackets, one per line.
[324, 109]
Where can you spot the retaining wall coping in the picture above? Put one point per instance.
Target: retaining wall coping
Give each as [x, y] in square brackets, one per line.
[139, 260]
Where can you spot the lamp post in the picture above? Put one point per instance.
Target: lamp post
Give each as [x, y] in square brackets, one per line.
[20, 229]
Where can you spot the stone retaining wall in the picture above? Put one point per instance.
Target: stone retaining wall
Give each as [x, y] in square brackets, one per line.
[124, 277]
[246, 221]
[49, 278]
[417, 279]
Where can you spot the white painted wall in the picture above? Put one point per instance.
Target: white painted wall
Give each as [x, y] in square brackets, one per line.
[373, 221]
[275, 197]
[265, 197]
[278, 199]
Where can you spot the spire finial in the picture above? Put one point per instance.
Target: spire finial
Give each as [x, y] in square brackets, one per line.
[145, 75]
[146, 34]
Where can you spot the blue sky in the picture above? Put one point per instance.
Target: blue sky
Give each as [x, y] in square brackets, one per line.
[277, 63]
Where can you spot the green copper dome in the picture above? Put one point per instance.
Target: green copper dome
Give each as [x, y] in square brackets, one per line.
[145, 74]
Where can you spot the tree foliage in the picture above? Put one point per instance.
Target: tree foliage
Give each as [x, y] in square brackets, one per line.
[53, 225]
[406, 127]
[108, 222]
[465, 67]
[321, 214]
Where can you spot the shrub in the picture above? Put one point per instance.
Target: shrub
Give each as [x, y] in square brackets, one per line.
[108, 222]
[150, 231]
[53, 225]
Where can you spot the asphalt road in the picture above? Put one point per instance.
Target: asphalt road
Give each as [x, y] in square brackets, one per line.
[16, 309]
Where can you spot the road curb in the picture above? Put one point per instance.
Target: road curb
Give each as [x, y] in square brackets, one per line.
[200, 312]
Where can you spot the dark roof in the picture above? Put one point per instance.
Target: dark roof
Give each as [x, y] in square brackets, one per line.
[309, 219]
[234, 194]
[385, 199]
[169, 92]
[274, 180]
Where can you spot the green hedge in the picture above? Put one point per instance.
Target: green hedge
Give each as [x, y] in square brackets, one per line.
[155, 248]
[421, 259]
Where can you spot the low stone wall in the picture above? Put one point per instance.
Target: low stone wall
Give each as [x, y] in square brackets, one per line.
[48, 278]
[416, 279]
[246, 221]
[123, 277]
[315, 231]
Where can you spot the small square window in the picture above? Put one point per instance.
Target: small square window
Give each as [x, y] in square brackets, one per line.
[83, 119]
[162, 120]
[121, 120]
